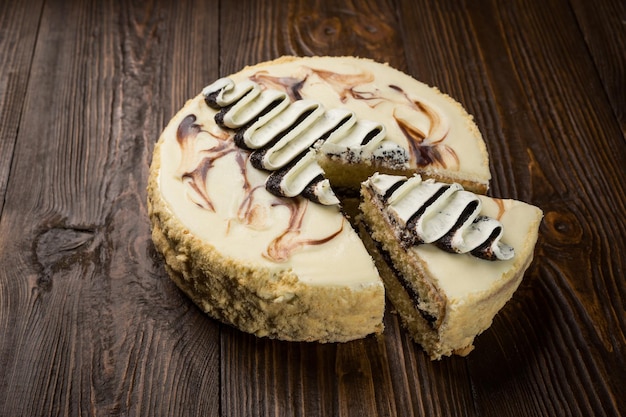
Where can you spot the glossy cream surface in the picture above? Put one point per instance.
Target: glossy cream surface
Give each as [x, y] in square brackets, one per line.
[435, 129]
[210, 185]
[461, 276]
[227, 206]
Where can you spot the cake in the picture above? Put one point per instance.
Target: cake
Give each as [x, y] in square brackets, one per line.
[450, 259]
[247, 187]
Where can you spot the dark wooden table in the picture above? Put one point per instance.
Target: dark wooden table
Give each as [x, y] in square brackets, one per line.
[91, 325]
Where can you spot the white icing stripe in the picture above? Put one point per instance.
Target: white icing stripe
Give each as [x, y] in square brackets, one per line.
[381, 184]
[439, 213]
[231, 92]
[280, 101]
[292, 121]
[475, 234]
[410, 198]
[303, 172]
[356, 134]
[324, 193]
[244, 110]
[429, 225]
[220, 86]
[288, 148]
[450, 210]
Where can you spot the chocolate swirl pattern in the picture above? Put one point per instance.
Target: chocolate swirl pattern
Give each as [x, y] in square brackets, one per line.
[194, 169]
[284, 136]
[426, 145]
[442, 214]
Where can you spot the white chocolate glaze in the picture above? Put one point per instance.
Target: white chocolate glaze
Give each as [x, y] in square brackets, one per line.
[462, 277]
[282, 133]
[212, 188]
[211, 185]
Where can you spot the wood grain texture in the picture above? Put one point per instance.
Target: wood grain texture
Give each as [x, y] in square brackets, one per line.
[542, 104]
[303, 28]
[604, 30]
[18, 31]
[91, 325]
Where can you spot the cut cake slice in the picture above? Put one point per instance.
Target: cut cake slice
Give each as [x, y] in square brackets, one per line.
[449, 259]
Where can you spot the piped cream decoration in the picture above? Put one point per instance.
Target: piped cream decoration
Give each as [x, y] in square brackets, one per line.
[434, 212]
[283, 135]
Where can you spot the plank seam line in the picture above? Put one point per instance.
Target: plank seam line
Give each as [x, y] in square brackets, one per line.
[592, 56]
[219, 40]
[19, 118]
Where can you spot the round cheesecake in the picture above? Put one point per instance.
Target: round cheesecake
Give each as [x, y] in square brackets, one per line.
[256, 246]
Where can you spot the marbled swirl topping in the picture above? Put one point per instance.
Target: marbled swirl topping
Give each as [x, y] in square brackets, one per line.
[442, 214]
[284, 137]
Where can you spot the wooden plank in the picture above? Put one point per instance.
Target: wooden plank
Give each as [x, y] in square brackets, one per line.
[18, 29]
[90, 323]
[604, 30]
[304, 28]
[523, 69]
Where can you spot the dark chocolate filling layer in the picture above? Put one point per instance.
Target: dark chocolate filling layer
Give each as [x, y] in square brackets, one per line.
[413, 295]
